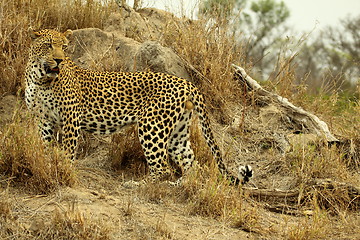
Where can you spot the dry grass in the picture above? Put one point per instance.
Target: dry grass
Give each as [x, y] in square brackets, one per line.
[73, 224]
[210, 54]
[27, 161]
[126, 154]
[204, 192]
[315, 227]
[60, 224]
[16, 18]
[323, 226]
[317, 161]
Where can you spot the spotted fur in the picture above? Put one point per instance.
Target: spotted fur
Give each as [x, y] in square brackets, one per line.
[70, 98]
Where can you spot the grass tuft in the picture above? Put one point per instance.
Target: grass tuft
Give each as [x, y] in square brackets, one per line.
[25, 159]
[126, 153]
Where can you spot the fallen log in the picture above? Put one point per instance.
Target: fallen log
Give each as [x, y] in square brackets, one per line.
[329, 193]
[294, 115]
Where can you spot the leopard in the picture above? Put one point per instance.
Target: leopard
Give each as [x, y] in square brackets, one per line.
[69, 99]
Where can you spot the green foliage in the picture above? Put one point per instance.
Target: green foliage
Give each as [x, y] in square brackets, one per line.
[270, 12]
[266, 19]
[332, 59]
[218, 9]
[260, 25]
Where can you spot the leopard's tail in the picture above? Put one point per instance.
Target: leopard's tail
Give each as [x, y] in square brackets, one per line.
[244, 172]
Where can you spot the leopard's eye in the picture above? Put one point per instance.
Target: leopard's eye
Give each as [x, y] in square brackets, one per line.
[48, 45]
[64, 46]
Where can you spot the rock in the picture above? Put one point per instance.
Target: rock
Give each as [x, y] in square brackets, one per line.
[94, 48]
[159, 59]
[145, 24]
[101, 50]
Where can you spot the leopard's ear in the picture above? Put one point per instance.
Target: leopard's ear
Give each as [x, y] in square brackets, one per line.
[68, 33]
[34, 35]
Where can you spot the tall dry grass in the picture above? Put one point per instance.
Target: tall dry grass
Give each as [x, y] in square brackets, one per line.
[17, 16]
[126, 154]
[26, 161]
[209, 51]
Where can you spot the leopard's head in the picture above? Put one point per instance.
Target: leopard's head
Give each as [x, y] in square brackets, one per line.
[48, 50]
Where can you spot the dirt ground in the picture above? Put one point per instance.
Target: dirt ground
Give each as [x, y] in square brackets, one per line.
[102, 198]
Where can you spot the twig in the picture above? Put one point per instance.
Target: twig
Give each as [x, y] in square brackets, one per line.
[7, 179]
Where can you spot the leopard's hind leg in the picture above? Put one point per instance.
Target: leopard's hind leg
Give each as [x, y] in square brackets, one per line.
[179, 147]
[154, 129]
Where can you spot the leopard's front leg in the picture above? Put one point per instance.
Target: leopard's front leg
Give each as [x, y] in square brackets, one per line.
[46, 128]
[71, 132]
